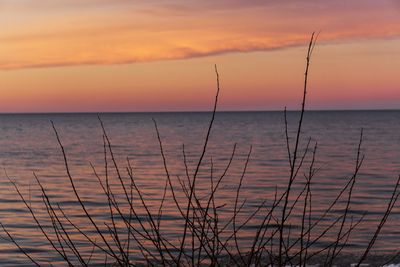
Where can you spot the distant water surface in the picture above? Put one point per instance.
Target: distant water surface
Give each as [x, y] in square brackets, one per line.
[28, 144]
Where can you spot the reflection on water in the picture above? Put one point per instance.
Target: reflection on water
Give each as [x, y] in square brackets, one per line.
[28, 145]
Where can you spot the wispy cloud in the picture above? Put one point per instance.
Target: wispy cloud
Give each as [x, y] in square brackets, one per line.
[62, 33]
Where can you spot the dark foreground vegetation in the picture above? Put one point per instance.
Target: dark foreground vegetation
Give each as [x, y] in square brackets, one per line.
[210, 231]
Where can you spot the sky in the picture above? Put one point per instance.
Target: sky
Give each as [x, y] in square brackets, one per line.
[157, 55]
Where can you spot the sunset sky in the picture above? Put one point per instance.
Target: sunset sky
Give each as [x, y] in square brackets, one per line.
[157, 55]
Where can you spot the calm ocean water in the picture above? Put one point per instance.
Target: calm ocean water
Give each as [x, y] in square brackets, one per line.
[28, 144]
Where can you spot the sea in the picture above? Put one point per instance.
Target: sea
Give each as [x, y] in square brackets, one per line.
[29, 149]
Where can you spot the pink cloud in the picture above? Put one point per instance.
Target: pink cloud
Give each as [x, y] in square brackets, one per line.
[103, 32]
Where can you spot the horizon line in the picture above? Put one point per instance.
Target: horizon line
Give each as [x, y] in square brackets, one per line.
[196, 111]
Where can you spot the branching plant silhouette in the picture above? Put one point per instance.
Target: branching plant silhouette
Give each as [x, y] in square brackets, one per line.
[207, 236]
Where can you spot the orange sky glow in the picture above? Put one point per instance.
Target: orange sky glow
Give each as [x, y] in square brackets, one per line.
[120, 55]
